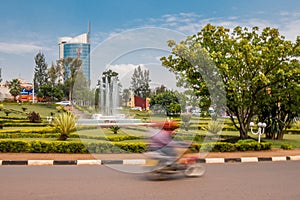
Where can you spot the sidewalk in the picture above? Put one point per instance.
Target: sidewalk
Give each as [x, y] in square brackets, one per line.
[134, 158]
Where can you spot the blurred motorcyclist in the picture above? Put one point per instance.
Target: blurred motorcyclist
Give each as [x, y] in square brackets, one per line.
[162, 141]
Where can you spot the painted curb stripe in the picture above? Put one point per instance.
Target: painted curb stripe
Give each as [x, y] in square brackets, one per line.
[249, 159]
[64, 162]
[279, 158]
[294, 157]
[112, 162]
[14, 162]
[264, 159]
[227, 160]
[40, 162]
[214, 160]
[89, 162]
[201, 160]
[134, 162]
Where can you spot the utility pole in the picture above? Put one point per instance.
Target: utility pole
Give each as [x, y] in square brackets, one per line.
[0, 74]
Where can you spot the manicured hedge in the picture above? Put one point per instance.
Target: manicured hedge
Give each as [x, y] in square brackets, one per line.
[293, 131]
[115, 147]
[9, 124]
[230, 147]
[33, 130]
[48, 132]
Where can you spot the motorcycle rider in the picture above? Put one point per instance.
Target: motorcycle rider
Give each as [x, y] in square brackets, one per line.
[162, 141]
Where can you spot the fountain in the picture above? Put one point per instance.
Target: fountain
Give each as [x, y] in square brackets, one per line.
[108, 106]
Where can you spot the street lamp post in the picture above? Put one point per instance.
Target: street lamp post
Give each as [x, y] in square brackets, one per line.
[261, 129]
[49, 119]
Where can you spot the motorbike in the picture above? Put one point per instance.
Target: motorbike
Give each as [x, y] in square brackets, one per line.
[159, 166]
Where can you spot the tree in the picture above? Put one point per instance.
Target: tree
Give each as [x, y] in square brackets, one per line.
[53, 74]
[125, 97]
[160, 89]
[247, 62]
[49, 92]
[14, 87]
[281, 103]
[68, 69]
[40, 71]
[81, 92]
[168, 102]
[140, 82]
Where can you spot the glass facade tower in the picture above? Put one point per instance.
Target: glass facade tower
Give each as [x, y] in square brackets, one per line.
[77, 47]
[82, 52]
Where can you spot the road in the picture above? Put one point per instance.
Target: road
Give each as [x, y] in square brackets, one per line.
[266, 180]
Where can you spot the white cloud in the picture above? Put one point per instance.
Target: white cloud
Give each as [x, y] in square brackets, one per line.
[125, 69]
[291, 30]
[17, 48]
[288, 23]
[158, 74]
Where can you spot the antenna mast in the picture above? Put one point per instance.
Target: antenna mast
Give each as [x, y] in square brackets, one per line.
[88, 33]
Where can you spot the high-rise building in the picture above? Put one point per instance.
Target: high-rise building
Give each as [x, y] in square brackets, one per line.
[77, 47]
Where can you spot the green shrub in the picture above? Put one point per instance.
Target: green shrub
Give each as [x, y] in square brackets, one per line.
[7, 124]
[7, 112]
[13, 146]
[136, 147]
[29, 131]
[122, 138]
[286, 147]
[34, 117]
[29, 135]
[229, 147]
[115, 129]
[293, 131]
[214, 127]
[296, 125]
[65, 124]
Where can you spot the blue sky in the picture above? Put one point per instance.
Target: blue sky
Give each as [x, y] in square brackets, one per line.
[30, 26]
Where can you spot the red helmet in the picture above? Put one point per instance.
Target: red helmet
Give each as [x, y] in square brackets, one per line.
[170, 125]
[166, 125]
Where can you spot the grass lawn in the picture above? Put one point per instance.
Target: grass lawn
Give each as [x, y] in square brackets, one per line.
[43, 109]
[293, 140]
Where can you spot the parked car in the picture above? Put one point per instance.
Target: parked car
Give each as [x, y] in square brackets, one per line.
[64, 103]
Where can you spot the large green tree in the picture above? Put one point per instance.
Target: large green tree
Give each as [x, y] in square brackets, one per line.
[167, 102]
[50, 93]
[125, 97]
[69, 68]
[53, 74]
[81, 92]
[140, 82]
[247, 61]
[40, 71]
[281, 102]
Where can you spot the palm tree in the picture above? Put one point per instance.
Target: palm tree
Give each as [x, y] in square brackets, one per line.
[14, 87]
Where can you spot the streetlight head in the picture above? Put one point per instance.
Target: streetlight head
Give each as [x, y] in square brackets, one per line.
[264, 125]
[251, 124]
[259, 124]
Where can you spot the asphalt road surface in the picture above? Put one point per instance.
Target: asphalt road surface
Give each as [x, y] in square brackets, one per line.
[259, 181]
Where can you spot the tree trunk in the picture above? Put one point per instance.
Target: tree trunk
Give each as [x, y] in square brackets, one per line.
[280, 135]
[243, 133]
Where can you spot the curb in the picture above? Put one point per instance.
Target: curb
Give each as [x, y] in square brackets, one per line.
[142, 161]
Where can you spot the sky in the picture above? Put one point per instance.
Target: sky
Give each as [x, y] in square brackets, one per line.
[125, 33]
